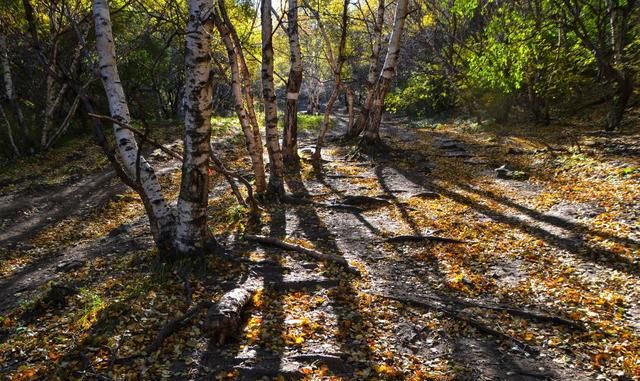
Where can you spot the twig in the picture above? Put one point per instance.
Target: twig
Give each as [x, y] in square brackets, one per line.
[459, 316]
[312, 253]
[421, 238]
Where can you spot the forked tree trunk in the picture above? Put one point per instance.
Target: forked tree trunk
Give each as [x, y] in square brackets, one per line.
[276, 181]
[245, 77]
[136, 167]
[371, 135]
[254, 149]
[192, 234]
[290, 134]
[337, 73]
[363, 118]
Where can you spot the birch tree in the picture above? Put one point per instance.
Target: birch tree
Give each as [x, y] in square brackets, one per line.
[191, 227]
[376, 44]
[371, 135]
[245, 80]
[290, 134]
[241, 90]
[8, 89]
[276, 170]
[336, 67]
[185, 230]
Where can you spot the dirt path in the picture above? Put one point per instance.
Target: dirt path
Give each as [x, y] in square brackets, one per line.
[414, 270]
[544, 246]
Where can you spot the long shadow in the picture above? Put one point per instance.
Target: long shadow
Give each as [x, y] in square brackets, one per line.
[345, 297]
[578, 248]
[552, 220]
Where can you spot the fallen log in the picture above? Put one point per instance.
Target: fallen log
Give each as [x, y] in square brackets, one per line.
[224, 317]
[300, 249]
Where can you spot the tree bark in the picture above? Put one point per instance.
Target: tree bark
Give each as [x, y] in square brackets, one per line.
[9, 89]
[136, 167]
[371, 135]
[337, 73]
[363, 118]
[276, 170]
[254, 149]
[290, 134]
[192, 234]
[245, 77]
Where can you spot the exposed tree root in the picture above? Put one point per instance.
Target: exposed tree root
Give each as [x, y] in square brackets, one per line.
[421, 238]
[312, 253]
[439, 305]
[296, 285]
[365, 200]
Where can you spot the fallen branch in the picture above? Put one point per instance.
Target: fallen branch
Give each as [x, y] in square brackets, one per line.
[300, 249]
[422, 238]
[223, 319]
[480, 326]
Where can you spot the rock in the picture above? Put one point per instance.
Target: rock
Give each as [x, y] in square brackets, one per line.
[457, 154]
[502, 172]
[69, 265]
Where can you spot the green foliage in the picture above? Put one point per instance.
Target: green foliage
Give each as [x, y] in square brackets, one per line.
[421, 95]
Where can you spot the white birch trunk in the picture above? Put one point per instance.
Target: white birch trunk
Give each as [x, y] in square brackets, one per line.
[388, 72]
[8, 81]
[363, 117]
[254, 141]
[276, 172]
[191, 228]
[290, 135]
[160, 216]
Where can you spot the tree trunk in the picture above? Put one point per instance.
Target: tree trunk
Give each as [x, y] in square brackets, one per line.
[290, 135]
[16, 151]
[371, 135]
[192, 233]
[255, 150]
[8, 83]
[276, 170]
[337, 73]
[624, 92]
[136, 167]
[363, 117]
[245, 76]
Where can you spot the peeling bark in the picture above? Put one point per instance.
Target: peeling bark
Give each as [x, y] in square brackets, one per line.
[192, 234]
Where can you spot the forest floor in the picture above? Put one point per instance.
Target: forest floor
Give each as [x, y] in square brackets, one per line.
[464, 275]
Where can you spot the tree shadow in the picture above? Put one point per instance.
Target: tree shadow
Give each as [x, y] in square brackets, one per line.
[344, 299]
[576, 246]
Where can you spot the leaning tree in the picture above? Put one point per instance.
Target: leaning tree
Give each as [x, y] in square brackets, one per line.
[179, 230]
